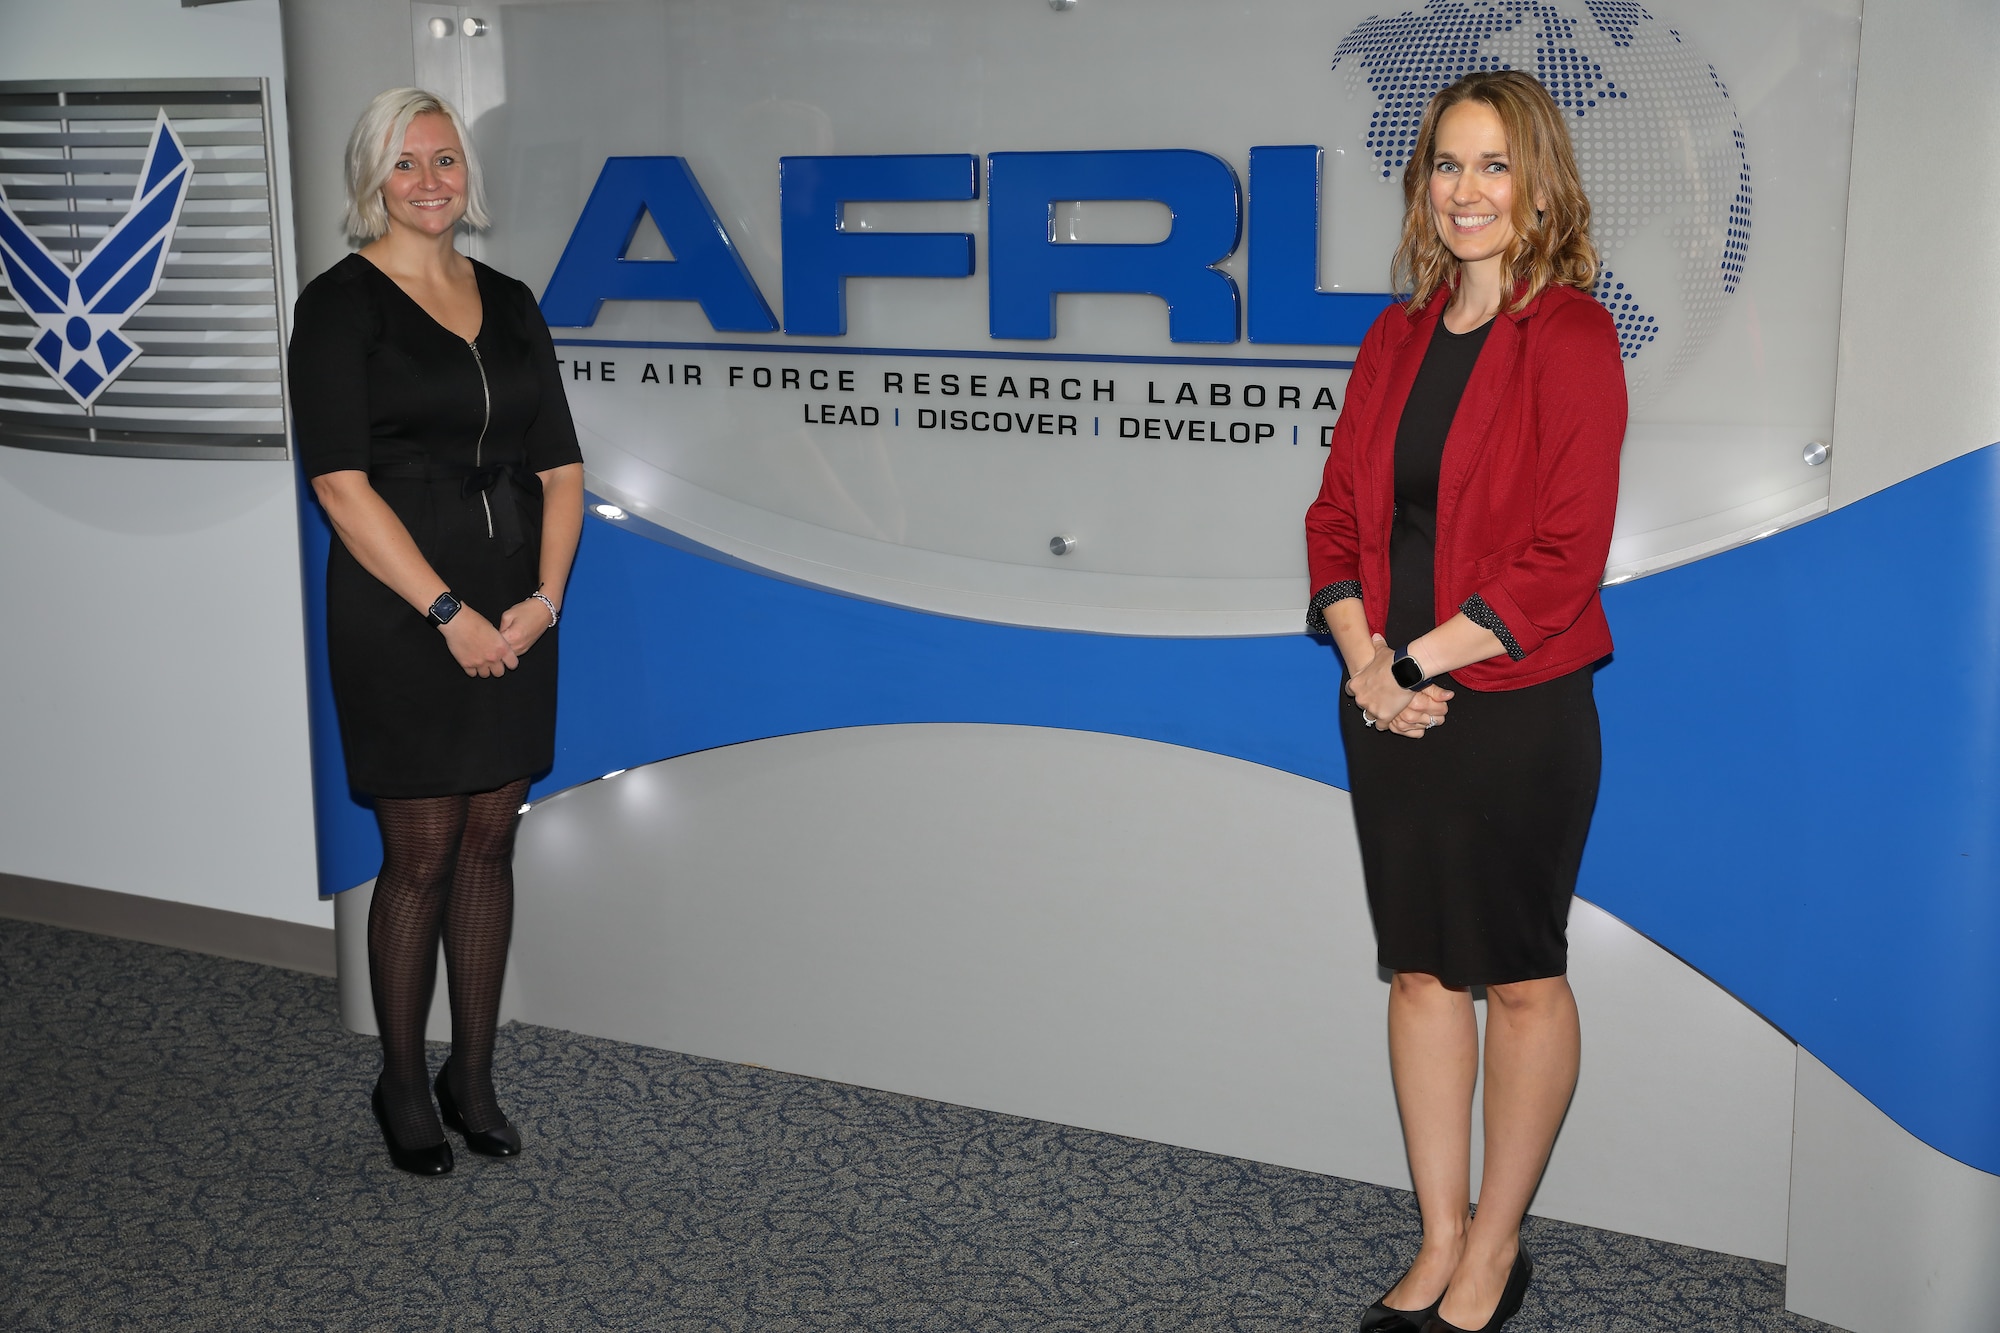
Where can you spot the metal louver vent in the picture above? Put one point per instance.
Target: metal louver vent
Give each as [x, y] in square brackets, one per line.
[208, 380]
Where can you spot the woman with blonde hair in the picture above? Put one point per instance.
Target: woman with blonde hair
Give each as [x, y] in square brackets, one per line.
[431, 421]
[1456, 548]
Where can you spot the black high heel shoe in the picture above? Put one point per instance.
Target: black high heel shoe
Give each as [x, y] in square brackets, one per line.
[1511, 1297]
[1382, 1318]
[432, 1161]
[502, 1142]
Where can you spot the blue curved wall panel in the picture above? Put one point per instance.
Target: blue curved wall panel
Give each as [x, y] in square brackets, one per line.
[1802, 782]
[1801, 739]
[666, 652]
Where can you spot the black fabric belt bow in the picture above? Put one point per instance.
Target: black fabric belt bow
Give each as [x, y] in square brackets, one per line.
[502, 501]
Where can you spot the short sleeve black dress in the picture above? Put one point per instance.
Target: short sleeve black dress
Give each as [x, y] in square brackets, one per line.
[451, 435]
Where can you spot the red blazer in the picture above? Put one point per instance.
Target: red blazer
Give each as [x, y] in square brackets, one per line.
[1526, 491]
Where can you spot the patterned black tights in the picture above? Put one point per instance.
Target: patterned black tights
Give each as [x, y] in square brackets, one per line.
[447, 867]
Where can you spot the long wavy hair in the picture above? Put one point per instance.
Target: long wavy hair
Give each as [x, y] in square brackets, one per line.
[1551, 243]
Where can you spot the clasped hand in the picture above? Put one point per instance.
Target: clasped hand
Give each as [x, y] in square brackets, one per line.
[1405, 712]
[482, 650]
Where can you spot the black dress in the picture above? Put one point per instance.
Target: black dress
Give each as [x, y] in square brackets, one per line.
[1471, 837]
[452, 435]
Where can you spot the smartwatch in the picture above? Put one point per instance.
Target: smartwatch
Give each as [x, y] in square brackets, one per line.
[1409, 673]
[443, 609]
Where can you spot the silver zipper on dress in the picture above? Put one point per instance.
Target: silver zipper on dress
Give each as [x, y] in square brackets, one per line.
[479, 449]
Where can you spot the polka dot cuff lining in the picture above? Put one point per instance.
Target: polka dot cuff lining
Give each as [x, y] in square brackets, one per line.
[1479, 613]
[1325, 597]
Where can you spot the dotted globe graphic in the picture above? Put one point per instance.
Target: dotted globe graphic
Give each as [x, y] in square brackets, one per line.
[1657, 138]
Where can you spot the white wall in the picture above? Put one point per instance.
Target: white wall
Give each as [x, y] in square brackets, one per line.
[338, 54]
[1918, 335]
[153, 740]
[1888, 1235]
[1105, 932]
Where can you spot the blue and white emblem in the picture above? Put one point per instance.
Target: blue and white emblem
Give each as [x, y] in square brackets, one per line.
[81, 313]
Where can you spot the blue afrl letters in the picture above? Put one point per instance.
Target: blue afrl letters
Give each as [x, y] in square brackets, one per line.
[1028, 266]
[705, 267]
[821, 254]
[1286, 305]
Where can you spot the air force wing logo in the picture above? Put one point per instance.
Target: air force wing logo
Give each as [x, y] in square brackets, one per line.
[80, 313]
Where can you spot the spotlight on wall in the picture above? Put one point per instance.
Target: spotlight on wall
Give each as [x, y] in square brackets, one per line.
[612, 512]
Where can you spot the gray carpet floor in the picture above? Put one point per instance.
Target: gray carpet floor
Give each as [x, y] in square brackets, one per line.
[185, 1144]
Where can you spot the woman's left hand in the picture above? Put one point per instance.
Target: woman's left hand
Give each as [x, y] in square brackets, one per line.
[1375, 688]
[525, 622]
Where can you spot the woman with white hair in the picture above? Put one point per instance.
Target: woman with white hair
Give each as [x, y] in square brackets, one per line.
[432, 424]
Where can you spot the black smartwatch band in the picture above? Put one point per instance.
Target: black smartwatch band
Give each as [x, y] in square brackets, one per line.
[443, 609]
[1409, 673]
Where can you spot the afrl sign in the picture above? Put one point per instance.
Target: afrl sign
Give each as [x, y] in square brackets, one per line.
[139, 289]
[80, 314]
[1029, 263]
[889, 295]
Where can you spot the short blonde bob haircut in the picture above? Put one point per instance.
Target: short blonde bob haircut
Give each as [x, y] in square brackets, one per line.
[375, 145]
[1552, 242]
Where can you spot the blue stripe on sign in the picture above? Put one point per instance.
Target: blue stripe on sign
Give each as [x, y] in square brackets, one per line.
[37, 281]
[126, 292]
[1767, 814]
[963, 353]
[138, 231]
[166, 155]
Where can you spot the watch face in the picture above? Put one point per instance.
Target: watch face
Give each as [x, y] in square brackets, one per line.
[444, 608]
[1407, 673]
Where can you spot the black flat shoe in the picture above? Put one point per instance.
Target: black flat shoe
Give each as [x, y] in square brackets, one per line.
[502, 1142]
[1511, 1297]
[432, 1161]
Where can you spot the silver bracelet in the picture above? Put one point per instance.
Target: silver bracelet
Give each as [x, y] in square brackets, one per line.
[541, 597]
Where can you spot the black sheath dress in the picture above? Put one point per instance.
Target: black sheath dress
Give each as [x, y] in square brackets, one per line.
[452, 435]
[1471, 837]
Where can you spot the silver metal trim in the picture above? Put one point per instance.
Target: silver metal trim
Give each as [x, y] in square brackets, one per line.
[186, 374]
[242, 85]
[126, 139]
[284, 310]
[264, 448]
[130, 111]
